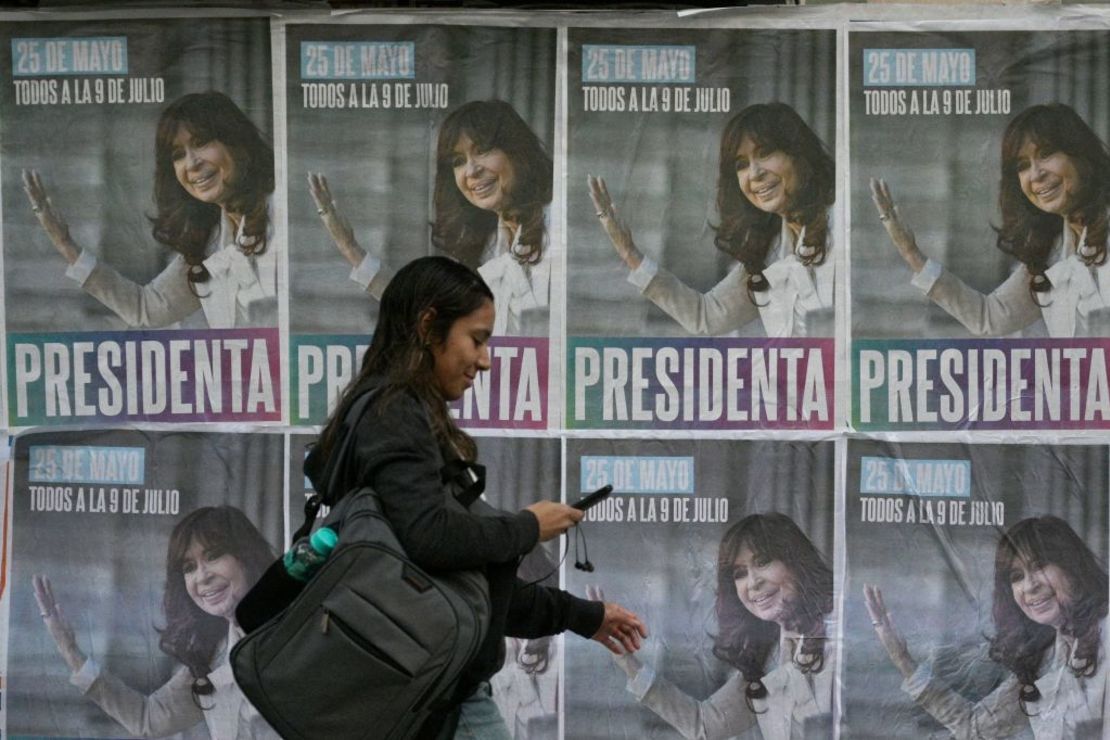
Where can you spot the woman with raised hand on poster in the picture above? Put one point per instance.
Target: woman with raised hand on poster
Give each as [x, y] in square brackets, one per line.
[493, 183]
[213, 178]
[774, 603]
[775, 187]
[1054, 194]
[1049, 610]
[214, 556]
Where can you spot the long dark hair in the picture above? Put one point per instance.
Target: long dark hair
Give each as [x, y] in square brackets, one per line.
[191, 634]
[745, 232]
[745, 641]
[400, 359]
[183, 223]
[1020, 643]
[1028, 233]
[462, 229]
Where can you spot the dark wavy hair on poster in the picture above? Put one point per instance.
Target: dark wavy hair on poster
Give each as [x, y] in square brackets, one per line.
[744, 640]
[1029, 234]
[1019, 643]
[185, 224]
[462, 229]
[745, 232]
[192, 635]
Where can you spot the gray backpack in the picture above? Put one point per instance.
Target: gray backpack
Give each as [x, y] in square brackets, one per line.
[373, 645]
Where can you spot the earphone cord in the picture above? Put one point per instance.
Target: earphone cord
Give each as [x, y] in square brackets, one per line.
[585, 565]
[578, 532]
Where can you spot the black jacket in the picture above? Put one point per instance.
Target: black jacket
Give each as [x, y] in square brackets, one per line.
[397, 455]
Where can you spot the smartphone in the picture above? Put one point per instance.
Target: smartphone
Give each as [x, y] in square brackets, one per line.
[592, 498]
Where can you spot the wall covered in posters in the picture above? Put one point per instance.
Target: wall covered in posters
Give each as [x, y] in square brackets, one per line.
[820, 294]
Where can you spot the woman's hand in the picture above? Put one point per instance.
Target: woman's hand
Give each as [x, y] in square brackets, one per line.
[52, 222]
[621, 632]
[617, 229]
[554, 518]
[56, 624]
[899, 232]
[889, 635]
[337, 226]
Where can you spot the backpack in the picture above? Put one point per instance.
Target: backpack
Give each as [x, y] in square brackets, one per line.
[372, 645]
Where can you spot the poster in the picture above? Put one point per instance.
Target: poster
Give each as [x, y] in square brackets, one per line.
[384, 168]
[140, 252]
[1004, 327]
[106, 526]
[668, 326]
[673, 543]
[934, 529]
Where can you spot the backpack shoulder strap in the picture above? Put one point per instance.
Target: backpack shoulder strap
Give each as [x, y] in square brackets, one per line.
[335, 464]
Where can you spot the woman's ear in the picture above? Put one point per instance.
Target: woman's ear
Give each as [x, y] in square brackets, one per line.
[424, 325]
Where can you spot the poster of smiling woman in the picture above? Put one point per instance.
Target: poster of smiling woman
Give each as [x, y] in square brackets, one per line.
[410, 140]
[702, 217]
[142, 256]
[130, 552]
[975, 593]
[725, 551]
[979, 270]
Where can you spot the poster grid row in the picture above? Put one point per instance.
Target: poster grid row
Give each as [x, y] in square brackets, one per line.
[828, 283]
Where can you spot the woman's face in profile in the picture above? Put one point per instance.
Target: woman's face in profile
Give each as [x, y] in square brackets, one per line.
[205, 169]
[215, 581]
[1042, 591]
[765, 587]
[464, 352]
[484, 176]
[1049, 179]
[768, 179]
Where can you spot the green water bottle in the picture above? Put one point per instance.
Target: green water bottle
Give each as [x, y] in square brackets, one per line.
[308, 553]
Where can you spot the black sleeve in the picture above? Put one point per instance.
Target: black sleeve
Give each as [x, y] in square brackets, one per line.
[398, 457]
[536, 611]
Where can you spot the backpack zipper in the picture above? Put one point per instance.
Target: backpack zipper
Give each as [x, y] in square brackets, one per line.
[351, 634]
